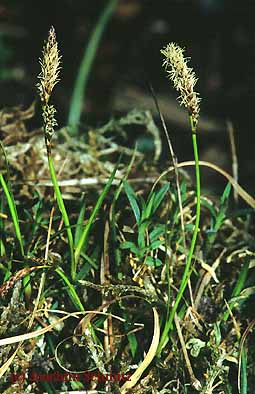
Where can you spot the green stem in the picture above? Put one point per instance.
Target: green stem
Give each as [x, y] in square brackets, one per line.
[62, 209]
[187, 271]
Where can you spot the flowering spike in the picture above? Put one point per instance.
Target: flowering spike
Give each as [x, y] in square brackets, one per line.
[50, 67]
[48, 78]
[183, 78]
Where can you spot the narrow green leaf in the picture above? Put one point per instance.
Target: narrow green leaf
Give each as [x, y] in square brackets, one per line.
[133, 201]
[132, 343]
[79, 225]
[183, 189]
[7, 187]
[13, 212]
[238, 287]
[81, 243]
[226, 194]
[77, 100]
[209, 206]
[148, 209]
[71, 290]
[112, 215]
[141, 234]
[160, 196]
[244, 372]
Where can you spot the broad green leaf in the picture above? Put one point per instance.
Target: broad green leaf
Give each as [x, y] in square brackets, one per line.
[153, 262]
[155, 245]
[127, 245]
[159, 230]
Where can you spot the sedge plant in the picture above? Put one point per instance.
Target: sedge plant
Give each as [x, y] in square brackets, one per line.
[48, 78]
[184, 81]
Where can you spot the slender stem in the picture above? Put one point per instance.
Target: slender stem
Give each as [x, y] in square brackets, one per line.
[187, 271]
[62, 208]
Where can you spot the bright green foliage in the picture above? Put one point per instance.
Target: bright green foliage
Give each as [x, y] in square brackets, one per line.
[144, 214]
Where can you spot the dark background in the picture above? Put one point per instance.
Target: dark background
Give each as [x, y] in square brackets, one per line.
[218, 35]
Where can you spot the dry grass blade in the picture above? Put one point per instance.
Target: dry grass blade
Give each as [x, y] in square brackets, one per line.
[7, 364]
[233, 154]
[210, 273]
[245, 335]
[195, 382]
[241, 192]
[37, 333]
[42, 281]
[148, 359]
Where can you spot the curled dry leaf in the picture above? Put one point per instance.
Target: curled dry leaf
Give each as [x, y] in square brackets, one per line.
[148, 359]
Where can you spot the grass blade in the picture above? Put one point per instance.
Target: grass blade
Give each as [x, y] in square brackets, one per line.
[79, 225]
[77, 100]
[10, 200]
[244, 372]
[132, 199]
[238, 287]
[85, 233]
[13, 212]
[71, 290]
[148, 358]
[160, 196]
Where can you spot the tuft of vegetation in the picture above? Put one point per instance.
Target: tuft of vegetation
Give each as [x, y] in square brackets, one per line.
[115, 276]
